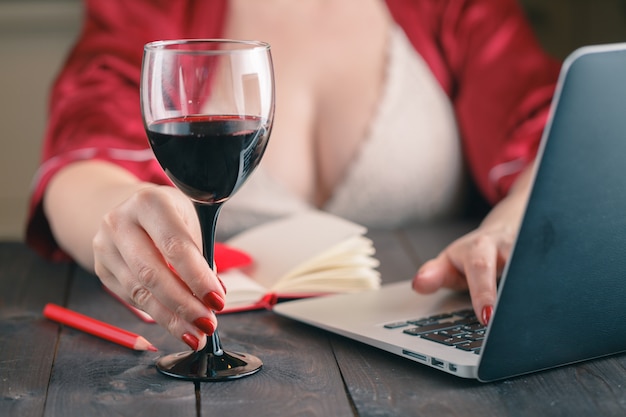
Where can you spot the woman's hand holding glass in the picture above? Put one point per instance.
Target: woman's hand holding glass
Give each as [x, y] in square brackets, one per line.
[148, 251]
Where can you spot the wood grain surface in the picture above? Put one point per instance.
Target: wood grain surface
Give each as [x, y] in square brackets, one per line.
[50, 370]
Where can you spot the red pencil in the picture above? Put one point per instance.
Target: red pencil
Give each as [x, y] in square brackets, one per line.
[96, 328]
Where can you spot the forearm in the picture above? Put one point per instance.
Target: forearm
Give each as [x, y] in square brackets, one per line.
[507, 214]
[77, 199]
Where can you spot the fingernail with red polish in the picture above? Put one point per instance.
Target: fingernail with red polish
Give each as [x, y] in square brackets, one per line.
[205, 324]
[214, 300]
[191, 340]
[487, 312]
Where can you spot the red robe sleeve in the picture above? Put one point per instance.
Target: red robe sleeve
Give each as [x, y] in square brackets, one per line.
[486, 57]
[94, 110]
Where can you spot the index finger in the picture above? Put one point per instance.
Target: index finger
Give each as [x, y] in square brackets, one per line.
[481, 267]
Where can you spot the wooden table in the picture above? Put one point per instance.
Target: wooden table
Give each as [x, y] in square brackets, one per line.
[50, 370]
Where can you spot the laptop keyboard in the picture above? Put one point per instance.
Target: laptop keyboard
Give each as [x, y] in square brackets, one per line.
[460, 329]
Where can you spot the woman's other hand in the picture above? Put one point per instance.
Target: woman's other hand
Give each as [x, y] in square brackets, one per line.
[475, 261]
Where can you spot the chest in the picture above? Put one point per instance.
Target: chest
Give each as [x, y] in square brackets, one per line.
[329, 61]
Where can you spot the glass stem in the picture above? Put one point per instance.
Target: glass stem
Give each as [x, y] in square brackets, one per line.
[207, 215]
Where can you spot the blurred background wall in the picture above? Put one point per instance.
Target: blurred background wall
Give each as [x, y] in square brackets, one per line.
[34, 39]
[564, 25]
[35, 36]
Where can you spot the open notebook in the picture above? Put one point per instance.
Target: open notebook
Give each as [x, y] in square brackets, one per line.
[562, 295]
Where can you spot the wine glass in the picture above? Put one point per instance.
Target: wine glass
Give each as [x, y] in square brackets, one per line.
[208, 108]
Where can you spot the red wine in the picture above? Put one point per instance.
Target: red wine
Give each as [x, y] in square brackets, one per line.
[209, 157]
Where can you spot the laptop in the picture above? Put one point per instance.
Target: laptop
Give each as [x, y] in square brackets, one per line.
[562, 295]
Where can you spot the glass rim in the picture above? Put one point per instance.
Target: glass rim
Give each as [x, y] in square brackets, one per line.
[165, 45]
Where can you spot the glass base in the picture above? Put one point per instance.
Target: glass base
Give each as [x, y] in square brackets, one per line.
[206, 366]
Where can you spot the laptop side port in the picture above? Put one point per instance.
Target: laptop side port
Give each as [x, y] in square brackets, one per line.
[436, 362]
[414, 355]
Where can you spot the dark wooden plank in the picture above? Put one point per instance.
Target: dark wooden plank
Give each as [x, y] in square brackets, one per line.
[392, 251]
[97, 378]
[27, 341]
[299, 375]
[383, 384]
[94, 377]
[427, 240]
[27, 282]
